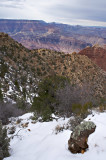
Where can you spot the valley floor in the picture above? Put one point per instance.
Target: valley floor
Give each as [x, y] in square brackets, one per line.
[41, 142]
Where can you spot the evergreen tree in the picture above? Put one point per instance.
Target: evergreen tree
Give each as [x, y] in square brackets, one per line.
[43, 105]
[46, 114]
[4, 142]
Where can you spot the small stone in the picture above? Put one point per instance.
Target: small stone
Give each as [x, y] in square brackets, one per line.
[82, 151]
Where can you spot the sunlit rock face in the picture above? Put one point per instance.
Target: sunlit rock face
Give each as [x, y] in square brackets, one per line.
[97, 54]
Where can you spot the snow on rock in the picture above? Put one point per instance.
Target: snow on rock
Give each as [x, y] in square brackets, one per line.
[41, 143]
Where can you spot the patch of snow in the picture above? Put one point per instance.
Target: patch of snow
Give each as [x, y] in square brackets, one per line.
[21, 89]
[40, 143]
[10, 90]
[26, 116]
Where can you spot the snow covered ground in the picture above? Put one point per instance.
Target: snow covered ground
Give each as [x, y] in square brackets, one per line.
[41, 142]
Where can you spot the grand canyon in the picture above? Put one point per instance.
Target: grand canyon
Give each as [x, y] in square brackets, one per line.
[35, 34]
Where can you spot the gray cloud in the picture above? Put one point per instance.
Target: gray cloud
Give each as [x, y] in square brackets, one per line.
[65, 11]
[11, 6]
[12, 3]
[12, 0]
[91, 10]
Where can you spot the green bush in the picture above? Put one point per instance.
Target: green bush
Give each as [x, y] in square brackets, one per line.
[76, 108]
[4, 70]
[81, 110]
[43, 105]
[16, 84]
[40, 108]
[102, 104]
[4, 142]
[46, 114]
[21, 104]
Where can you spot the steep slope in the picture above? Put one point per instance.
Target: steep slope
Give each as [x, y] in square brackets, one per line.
[97, 54]
[15, 75]
[22, 69]
[59, 37]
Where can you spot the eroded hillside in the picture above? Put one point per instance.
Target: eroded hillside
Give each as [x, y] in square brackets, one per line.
[22, 69]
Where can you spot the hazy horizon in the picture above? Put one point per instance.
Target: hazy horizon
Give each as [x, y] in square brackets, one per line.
[72, 12]
[52, 22]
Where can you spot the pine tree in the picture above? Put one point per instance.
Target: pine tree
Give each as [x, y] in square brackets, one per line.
[46, 115]
[4, 142]
[43, 105]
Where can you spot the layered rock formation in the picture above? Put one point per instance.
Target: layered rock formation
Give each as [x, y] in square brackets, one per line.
[59, 37]
[97, 54]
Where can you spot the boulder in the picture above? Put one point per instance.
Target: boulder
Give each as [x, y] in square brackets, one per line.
[79, 137]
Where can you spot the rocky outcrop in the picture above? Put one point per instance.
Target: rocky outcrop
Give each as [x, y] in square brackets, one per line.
[79, 137]
[97, 54]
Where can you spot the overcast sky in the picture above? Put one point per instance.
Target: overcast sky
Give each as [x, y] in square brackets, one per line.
[81, 12]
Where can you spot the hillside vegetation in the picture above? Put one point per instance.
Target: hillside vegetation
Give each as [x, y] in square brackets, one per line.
[22, 69]
[49, 84]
